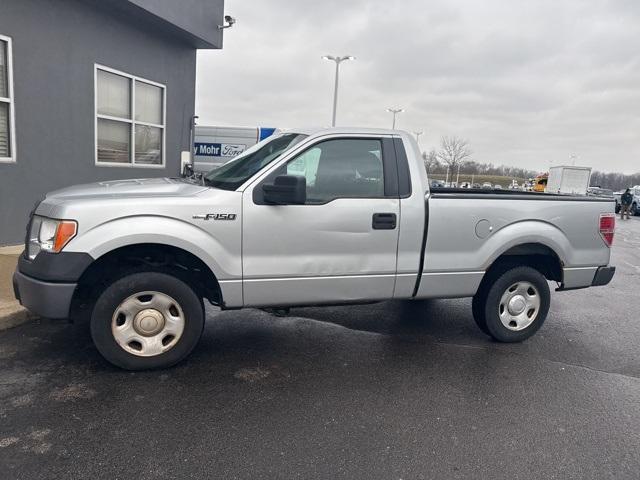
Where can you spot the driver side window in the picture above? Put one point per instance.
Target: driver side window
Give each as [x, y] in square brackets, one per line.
[341, 168]
[306, 165]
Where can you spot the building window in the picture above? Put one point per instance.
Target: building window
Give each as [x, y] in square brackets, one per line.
[7, 133]
[130, 120]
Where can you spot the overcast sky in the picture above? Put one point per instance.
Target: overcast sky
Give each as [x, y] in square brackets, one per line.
[527, 82]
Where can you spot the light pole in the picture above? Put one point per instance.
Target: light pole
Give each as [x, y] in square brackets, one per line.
[395, 111]
[417, 134]
[573, 158]
[338, 61]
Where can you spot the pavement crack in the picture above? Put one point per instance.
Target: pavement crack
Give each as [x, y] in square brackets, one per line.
[547, 360]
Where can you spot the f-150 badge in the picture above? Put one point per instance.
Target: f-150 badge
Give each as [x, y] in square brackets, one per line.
[215, 216]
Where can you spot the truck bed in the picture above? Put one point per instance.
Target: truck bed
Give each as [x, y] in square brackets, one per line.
[440, 192]
[467, 229]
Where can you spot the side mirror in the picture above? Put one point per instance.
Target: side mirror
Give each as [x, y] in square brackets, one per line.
[286, 190]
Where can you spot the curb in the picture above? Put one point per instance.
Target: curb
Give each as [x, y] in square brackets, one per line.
[13, 314]
[12, 250]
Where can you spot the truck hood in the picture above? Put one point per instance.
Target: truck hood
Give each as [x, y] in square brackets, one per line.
[143, 187]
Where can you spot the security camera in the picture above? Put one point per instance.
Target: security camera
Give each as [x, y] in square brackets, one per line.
[229, 22]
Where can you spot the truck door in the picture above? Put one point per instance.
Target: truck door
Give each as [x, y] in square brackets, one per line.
[340, 246]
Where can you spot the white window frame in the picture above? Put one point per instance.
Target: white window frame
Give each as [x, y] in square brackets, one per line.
[11, 101]
[131, 121]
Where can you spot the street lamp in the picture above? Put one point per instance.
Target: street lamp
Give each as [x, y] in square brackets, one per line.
[574, 157]
[395, 111]
[338, 61]
[417, 134]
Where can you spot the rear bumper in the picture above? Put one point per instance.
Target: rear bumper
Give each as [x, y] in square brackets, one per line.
[585, 277]
[603, 276]
[46, 299]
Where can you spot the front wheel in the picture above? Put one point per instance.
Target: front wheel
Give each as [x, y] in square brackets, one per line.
[512, 306]
[147, 320]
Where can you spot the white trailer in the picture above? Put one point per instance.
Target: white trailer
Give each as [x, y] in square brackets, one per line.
[214, 146]
[568, 179]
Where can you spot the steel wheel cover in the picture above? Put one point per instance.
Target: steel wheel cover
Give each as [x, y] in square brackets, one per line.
[147, 324]
[519, 306]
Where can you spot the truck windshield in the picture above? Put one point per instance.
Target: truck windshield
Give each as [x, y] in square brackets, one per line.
[237, 171]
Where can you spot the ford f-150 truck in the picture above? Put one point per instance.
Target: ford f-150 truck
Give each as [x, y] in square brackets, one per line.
[307, 217]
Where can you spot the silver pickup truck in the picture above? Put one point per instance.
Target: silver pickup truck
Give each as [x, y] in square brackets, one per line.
[308, 217]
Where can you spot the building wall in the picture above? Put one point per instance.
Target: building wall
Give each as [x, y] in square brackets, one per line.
[56, 44]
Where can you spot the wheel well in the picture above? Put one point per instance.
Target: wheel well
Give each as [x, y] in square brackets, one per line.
[144, 257]
[534, 255]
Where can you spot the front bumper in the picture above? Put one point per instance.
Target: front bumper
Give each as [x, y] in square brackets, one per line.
[46, 299]
[45, 285]
[603, 276]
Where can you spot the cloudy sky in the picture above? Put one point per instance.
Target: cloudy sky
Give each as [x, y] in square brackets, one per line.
[527, 82]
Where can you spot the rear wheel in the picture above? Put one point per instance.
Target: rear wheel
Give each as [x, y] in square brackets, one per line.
[513, 305]
[147, 320]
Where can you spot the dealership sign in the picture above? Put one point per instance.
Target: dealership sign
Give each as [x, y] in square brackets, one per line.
[218, 149]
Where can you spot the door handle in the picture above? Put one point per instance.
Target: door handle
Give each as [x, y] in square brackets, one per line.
[383, 221]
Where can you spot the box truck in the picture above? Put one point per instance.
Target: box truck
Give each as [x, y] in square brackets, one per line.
[214, 146]
[568, 179]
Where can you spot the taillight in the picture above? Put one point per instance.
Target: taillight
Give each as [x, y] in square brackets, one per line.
[607, 227]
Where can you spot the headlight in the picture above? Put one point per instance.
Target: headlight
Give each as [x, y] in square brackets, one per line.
[49, 235]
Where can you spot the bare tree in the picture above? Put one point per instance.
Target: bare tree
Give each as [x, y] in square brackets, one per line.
[453, 151]
[430, 160]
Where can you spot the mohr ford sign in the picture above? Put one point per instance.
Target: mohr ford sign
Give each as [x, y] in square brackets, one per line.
[218, 149]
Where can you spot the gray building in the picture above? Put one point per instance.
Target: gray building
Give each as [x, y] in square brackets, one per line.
[95, 90]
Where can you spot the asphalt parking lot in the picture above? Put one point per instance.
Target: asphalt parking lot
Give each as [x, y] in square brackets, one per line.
[396, 390]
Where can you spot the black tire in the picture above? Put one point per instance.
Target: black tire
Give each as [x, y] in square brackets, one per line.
[618, 208]
[486, 303]
[108, 302]
[477, 308]
[633, 211]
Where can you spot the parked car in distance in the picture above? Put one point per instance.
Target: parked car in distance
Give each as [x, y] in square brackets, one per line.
[307, 217]
[476, 185]
[487, 185]
[437, 184]
[465, 185]
[497, 186]
[600, 192]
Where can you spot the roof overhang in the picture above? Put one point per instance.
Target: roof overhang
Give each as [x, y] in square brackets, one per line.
[192, 21]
